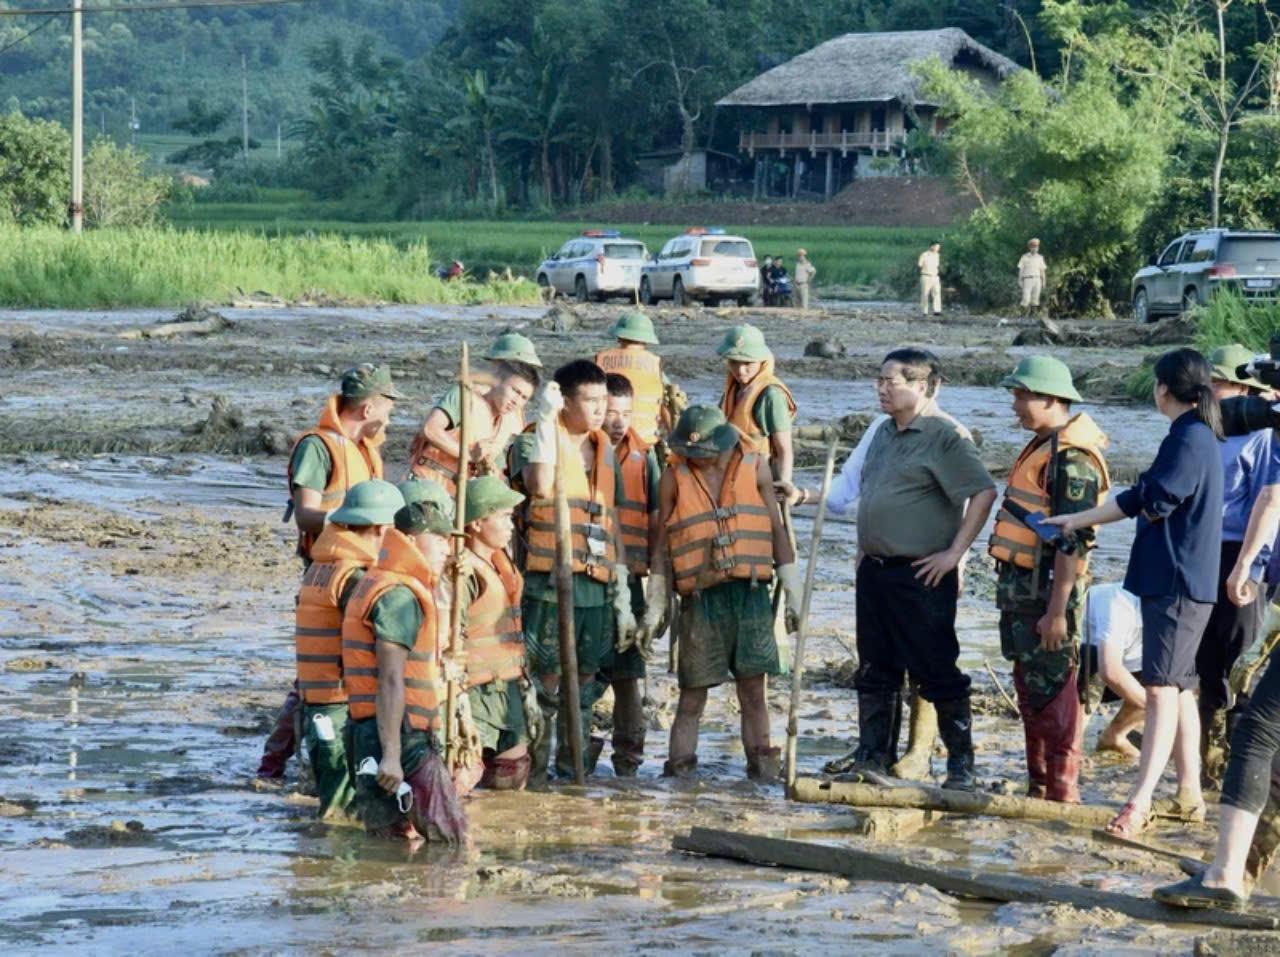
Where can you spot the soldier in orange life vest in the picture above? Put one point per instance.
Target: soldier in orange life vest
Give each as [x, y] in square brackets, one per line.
[1039, 590]
[494, 417]
[721, 530]
[340, 452]
[631, 360]
[496, 673]
[348, 545]
[568, 415]
[755, 401]
[395, 672]
[638, 518]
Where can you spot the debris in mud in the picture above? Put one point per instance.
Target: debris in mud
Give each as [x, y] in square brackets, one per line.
[560, 318]
[839, 674]
[826, 348]
[1175, 330]
[224, 429]
[195, 320]
[118, 834]
[28, 664]
[16, 807]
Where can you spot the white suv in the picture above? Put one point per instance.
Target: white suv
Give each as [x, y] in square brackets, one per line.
[702, 264]
[598, 264]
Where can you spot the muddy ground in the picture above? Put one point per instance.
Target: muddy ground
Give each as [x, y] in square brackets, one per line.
[146, 589]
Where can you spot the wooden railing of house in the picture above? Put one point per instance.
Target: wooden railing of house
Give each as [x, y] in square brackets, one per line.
[843, 141]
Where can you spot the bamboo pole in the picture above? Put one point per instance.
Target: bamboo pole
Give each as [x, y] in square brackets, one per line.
[926, 798]
[452, 738]
[862, 865]
[802, 632]
[570, 693]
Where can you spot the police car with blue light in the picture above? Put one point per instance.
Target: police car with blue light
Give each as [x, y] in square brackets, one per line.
[702, 264]
[598, 264]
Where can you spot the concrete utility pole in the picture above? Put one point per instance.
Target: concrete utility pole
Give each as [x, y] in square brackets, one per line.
[279, 144]
[244, 106]
[77, 119]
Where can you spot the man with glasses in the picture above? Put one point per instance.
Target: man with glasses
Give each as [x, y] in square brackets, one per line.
[924, 497]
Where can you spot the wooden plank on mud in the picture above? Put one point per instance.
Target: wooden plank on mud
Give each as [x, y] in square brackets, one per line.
[926, 798]
[862, 865]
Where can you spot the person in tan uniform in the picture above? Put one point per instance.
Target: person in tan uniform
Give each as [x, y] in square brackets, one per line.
[805, 272]
[1031, 276]
[930, 284]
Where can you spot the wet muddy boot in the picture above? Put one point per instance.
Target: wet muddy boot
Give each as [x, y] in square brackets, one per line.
[915, 764]
[1033, 728]
[1062, 727]
[955, 726]
[628, 750]
[282, 741]
[1213, 745]
[540, 750]
[764, 764]
[505, 774]
[878, 716]
[680, 767]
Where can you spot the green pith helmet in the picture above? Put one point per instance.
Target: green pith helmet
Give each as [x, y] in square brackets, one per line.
[1226, 359]
[702, 433]
[366, 380]
[634, 326]
[427, 508]
[744, 343]
[488, 494]
[1043, 375]
[374, 502]
[513, 347]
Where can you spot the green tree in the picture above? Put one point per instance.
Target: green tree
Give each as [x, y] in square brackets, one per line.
[118, 191]
[35, 182]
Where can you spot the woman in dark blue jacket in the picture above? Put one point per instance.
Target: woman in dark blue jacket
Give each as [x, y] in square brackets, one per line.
[1173, 568]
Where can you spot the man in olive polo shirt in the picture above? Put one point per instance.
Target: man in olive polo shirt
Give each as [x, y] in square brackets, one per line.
[925, 497]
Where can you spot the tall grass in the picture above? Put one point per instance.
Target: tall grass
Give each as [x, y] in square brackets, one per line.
[1230, 318]
[844, 255]
[159, 267]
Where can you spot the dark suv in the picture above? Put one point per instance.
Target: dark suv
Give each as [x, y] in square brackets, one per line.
[1195, 265]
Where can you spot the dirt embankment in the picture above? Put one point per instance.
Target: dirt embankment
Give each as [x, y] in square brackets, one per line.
[882, 201]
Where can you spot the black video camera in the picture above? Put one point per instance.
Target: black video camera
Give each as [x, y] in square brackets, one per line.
[1265, 369]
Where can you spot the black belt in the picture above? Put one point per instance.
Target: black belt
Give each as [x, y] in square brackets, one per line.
[891, 561]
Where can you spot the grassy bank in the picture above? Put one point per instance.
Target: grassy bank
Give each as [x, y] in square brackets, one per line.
[51, 268]
[844, 255]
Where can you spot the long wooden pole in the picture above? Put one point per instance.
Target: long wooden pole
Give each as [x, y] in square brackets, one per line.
[923, 797]
[76, 207]
[802, 632]
[452, 739]
[861, 865]
[570, 693]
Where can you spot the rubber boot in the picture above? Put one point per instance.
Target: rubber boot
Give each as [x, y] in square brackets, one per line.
[1213, 745]
[1062, 732]
[955, 725]
[282, 741]
[878, 715]
[914, 765]
[764, 764]
[540, 750]
[1033, 728]
[628, 751]
[680, 767]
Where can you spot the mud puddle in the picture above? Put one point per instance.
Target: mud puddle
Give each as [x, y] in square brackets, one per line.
[145, 623]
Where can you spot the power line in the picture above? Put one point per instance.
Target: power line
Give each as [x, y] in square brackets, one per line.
[26, 36]
[134, 7]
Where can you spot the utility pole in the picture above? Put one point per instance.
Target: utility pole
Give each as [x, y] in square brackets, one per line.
[279, 144]
[244, 107]
[133, 120]
[77, 119]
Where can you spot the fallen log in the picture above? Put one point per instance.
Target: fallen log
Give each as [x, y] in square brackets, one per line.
[206, 324]
[861, 865]
[926, 798]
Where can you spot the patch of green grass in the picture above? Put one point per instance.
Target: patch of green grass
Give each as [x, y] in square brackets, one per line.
[844, 255]
[52, 268]
[1229, 318]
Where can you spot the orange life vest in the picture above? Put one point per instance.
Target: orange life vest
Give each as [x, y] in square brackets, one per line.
[429, 461]
[399, 564]
[643, 370]
[632, 454]
[1013, 542]
[711, 542]
[591, 513]
[351, 463]
[739, 402]
[495, 637]
[336, 554]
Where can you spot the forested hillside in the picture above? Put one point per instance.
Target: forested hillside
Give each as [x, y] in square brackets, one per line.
[162, 59]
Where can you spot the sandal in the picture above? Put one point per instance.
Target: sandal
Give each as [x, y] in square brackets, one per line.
[1192, 893]
[1130, 822]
